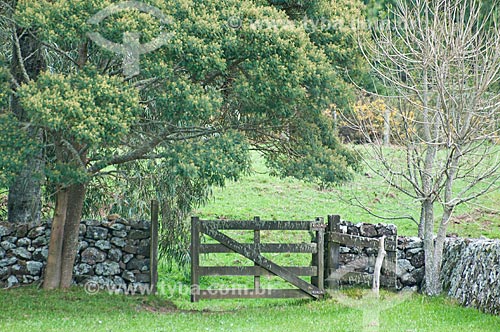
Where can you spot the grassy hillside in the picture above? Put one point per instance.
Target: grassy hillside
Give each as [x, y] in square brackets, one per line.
[271, 198]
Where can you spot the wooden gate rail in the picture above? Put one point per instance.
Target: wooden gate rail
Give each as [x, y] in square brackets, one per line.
[262, 265]
[335, 238]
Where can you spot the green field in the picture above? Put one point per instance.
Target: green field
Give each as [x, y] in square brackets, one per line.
[272, 198]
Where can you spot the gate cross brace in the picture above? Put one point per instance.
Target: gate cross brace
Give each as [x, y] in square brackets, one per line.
[265, 263]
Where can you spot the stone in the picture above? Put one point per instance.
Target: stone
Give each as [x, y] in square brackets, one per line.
[83, 269]
[414, 251]
[8, 261]
[21, 230]
[120, 233]
[103, 244]
[141, 224]
[22, 253]
[82, 229]
[100, 280]
[115, 254]
[127, 258]
[23, 242]
[7, 245]
[131, 249]
[414, 242]
[4, 271]
[34, 268]
[93, 255]
[119, 242]
[403, 267]
[92, 222]
[118, 226]
[36, 232]
[129, 276]
[344, 250]
[408, 280]
[82, 245]
[107, 268]
[40, 241]
[41, 254]
[2, 253]
[418, 259]
[418, 275]
[19, 269]
[97, 233]
[368, 230]
[409, 289]
[12, 281]
[144, 251]
[4, 231]
[118, 281]
[143, 277]
[138, 235]
[353, 230]
[138, 264]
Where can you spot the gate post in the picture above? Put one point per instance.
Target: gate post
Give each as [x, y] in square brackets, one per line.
[153, 249]
[333, 252]
[195, 259]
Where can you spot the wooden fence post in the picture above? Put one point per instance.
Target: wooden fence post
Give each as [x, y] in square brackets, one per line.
[333, 251]
[195, 259]
[320, 239]
[256, 241]
[153, 250]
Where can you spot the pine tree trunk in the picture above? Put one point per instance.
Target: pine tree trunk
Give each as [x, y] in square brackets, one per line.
[24, 199]
[52, 278]
[76, 196]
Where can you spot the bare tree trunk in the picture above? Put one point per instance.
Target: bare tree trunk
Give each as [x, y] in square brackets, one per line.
[431, 275]
[54, 260]
[76, 196]
[378, 266]
[387, 127]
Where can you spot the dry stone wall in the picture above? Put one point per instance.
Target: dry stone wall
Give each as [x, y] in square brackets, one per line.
[471, 273]
[113, 253]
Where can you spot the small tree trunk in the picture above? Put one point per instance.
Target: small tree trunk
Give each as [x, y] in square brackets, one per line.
[431, 272]
[54, 260]
[421, 224]
[378, 266]
[387, 127]
[76, 196]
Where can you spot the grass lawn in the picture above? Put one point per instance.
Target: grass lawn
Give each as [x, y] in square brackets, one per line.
[30, 309]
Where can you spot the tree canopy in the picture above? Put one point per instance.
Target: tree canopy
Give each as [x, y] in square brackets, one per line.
[200, 102]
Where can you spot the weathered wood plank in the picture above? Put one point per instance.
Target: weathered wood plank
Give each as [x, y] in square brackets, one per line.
[305, 271]
[257, 225]
[298, 248]
[359, 241]
[213, 294]
[195, 259]
[312, 290]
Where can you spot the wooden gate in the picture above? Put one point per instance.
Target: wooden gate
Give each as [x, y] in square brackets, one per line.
[262, 265]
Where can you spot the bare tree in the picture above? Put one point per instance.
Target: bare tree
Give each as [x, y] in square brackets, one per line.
[440, 60]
